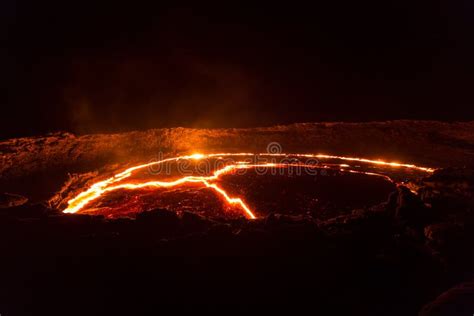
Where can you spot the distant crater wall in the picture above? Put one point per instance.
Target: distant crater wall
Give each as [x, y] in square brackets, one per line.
[430, 143]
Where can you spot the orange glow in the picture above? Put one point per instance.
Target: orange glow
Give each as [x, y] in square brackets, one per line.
[196, 156]
[79, 202]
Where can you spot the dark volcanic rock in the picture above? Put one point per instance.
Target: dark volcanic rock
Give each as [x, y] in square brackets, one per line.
[159, 219]
[442, 234]
[275, 220]
[410, 209]
[451, 188]
[361, 225]
[10, 200]
[27, 210]
[458, 300]
[193, 222]
[453, 244]
[196, 260]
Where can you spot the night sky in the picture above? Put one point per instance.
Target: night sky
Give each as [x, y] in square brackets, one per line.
[85, 67]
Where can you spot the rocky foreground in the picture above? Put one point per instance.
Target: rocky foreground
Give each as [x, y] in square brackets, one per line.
[413, 254]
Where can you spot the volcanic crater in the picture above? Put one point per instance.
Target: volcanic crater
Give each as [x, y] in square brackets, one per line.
[334, 203]
[243, 184]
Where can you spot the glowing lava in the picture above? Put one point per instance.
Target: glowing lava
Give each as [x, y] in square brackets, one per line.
[98, 189]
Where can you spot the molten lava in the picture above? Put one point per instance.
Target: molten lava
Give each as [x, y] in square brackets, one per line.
[117, 182]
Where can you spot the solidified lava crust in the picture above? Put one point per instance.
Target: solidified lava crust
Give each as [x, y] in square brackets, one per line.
[294, 177]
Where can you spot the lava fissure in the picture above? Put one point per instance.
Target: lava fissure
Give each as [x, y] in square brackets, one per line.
[77, 203]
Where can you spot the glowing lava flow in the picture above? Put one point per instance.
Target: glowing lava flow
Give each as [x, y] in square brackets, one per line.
[98, 189]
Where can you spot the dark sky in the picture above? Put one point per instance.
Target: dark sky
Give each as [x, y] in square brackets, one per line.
[91, 66]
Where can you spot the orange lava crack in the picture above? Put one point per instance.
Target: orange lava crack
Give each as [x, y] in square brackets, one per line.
[77, 203]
